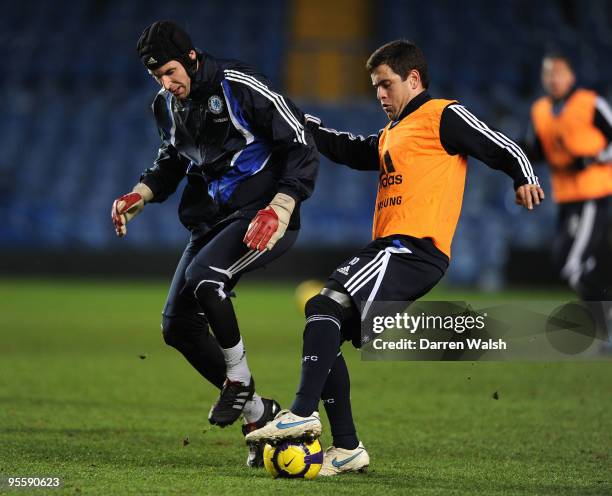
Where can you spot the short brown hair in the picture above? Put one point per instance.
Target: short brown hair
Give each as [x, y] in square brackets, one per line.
[555, 54]
[402, 56]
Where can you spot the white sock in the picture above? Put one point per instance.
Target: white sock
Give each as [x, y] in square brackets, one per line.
[236, 364]
[253, 410]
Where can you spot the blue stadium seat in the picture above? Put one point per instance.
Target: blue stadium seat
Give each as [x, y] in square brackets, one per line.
[79, 111]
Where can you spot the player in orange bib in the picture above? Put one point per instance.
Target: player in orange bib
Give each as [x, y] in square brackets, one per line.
[572, 132]
[421, 156]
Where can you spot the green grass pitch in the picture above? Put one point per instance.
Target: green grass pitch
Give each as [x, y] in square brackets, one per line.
[89, 392]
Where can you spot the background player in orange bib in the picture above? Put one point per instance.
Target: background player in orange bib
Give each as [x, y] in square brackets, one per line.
[572, 132]
[422, 159]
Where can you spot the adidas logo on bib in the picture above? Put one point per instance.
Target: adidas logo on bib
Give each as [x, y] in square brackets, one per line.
[344, 270]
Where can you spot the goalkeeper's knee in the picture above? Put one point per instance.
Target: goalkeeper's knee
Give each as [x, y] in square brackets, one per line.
[180, 330]
[207, 285]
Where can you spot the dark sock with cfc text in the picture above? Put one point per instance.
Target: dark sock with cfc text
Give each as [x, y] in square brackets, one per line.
[336, 399]
[321, 344]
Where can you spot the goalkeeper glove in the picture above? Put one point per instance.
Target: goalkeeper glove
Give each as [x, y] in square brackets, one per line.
[270, 223]
[125, 208]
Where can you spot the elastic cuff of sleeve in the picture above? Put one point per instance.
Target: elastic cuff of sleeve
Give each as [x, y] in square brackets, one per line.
[285, 190]
[154, 187]
[520, 182]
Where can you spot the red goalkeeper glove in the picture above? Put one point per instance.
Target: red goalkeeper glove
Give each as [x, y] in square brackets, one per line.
[270, 223]
[125, 208]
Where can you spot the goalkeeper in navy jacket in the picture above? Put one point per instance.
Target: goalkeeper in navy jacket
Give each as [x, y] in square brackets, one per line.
[249, 163]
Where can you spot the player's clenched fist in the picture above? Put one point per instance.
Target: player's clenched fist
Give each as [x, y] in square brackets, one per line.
[529, 195]
[126, 207]
[270, 223]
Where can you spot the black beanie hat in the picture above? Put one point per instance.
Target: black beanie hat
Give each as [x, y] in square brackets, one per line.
[162, 42]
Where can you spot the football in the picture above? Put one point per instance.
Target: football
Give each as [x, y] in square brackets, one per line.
[294, 459]
[306, 290]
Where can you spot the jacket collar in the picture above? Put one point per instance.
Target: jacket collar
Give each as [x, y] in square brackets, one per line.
[207, 77]
[412, 105]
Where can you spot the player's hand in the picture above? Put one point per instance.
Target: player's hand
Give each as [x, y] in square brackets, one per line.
[125, 208]
[529, 195]
[270, 223]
